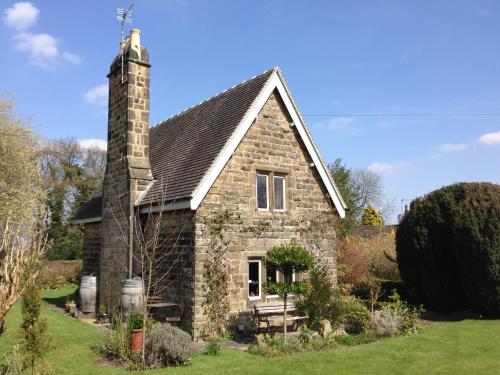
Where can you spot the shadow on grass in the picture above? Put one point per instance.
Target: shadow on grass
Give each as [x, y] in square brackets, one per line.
[59, 301]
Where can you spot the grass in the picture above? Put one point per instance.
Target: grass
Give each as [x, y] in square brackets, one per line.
[466, 347]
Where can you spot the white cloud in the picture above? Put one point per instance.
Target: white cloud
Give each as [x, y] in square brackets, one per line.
[452, 147]
[337, 123]
[97, 95]
[71, 57]
[93, 143]
[21, 16]
[490, 139]
[42, 48]
[387, 168]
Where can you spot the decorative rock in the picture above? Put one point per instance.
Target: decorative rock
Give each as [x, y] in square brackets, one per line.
[261, 344]
[325, 328]
[339, 333]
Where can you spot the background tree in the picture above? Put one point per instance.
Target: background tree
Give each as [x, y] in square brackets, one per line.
[371, 216]
[358, 188]
[20, 180]
[448, 248]
[71, 173]
[288, 259]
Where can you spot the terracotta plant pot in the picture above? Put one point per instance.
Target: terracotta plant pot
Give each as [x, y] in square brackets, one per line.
[136, 341]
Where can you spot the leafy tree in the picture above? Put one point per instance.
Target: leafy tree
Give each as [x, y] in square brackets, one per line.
[371, 216]
[448, 248]
[288, 259]
[71, 174]
[358, 188]
[33, 329]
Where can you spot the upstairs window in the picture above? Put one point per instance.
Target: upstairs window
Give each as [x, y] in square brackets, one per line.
[262, 192]
[271, 191]
[279, 193]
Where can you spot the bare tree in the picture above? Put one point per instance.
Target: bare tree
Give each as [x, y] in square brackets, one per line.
[158, 240]
[21, 248]
[20, 180]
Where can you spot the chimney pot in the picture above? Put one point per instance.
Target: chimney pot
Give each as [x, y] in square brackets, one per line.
[135, 41]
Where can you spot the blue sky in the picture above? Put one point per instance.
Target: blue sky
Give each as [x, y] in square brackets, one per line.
[340, 58]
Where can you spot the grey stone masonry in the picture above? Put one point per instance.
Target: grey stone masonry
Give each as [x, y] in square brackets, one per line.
[128, 171]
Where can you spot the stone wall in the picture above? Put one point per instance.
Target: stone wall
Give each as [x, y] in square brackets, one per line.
[91, 248]
[127, 170]
[271, 145]
[174, 265]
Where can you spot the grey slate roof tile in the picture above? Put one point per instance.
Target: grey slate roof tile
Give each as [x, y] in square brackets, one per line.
[183, 147]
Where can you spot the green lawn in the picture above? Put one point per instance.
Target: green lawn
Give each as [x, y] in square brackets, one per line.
[467, 347]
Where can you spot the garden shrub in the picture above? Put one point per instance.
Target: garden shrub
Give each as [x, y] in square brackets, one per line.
[317, 300]
[387, 322]
[55, 273]
[352, 340]
[410, 316]
[167, 345]
[116, 345]
[273, 345]
[448, 248]
[351, 313]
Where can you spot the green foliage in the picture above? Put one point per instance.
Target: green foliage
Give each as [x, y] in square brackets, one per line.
[318, 298]
[284, 289]
[116, 345]
[289, 258]
[167, 345]
[275, 345]
[71, 174]
[371, 216]
[35, 343]
[56, 273]
[357, 339]
[213, 347]
[448, 248]
[135, 321]
[351, 313]
[216, 276]
[409, 315]
[358, 188]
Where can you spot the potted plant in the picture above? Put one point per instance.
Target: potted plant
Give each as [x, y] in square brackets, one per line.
[102, 316]
[135, 326]
[71, 307]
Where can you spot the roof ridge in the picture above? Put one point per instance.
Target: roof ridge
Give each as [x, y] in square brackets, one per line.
[274, 69]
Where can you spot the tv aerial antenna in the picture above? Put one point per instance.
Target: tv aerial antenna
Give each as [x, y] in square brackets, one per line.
[124, 16]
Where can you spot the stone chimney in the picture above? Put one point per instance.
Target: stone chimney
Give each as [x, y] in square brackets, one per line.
[128, 172]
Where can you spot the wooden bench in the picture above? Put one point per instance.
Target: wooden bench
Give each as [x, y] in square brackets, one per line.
[157, 303]
[266, 313]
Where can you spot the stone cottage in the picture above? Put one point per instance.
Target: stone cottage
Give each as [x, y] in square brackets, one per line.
[245, 151]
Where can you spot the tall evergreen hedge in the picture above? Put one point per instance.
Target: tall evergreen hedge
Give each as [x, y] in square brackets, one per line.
[448, 248]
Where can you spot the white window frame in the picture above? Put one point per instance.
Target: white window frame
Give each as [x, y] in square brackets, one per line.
[257, 191]
[284, 194]
[259, 262]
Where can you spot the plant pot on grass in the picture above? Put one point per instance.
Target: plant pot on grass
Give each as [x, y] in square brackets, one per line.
[136, 325]
[71, 307]
[102, 316]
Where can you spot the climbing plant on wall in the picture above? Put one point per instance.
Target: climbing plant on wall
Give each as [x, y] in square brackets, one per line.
[216, 276]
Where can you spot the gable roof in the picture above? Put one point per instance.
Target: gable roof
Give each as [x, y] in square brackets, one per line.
[189, 150]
